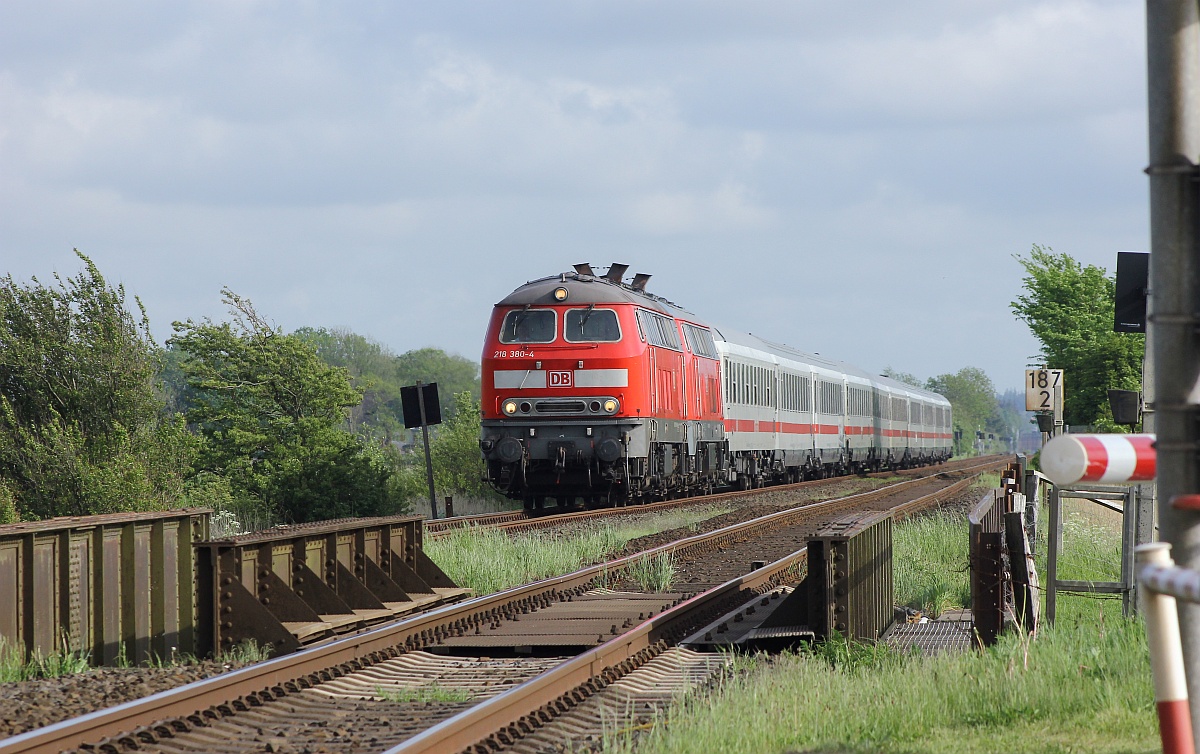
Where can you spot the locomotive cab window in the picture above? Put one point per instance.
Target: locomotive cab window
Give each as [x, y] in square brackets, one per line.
[529, 326]
[591, 326]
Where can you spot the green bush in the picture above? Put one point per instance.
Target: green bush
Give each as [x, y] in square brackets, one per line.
[82, 427]
[271, 414]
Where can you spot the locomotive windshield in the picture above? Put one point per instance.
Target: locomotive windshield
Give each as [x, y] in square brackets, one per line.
[592, 325]
[529, 326]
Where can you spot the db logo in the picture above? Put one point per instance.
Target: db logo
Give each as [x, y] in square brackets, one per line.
[560, 379]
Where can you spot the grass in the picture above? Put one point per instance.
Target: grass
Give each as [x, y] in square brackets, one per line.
[1083, 685]
[929, 562]
[488, 560]
[424, 694]
[246, 653]
[16, 666]
[989, 480]
[653, 573]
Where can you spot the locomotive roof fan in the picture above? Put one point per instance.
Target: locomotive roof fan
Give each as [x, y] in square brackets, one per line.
[615, 272]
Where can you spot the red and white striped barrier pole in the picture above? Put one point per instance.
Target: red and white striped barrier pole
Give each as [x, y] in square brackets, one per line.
[1109, 459]
[1164, 582]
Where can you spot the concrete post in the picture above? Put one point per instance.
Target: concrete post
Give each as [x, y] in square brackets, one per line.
[1173, 70]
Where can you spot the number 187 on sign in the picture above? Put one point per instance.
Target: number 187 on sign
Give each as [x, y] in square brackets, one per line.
[1040, 387]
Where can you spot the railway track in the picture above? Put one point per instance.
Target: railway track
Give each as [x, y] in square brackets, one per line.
[541, 660]
[519, 521]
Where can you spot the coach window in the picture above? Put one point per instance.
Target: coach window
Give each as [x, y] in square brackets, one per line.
[591, 326]
[529, 326]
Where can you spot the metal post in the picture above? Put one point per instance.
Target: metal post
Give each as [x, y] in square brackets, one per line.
[1033, 499]
[1172, 51]
[1053, 547]
[1059, 426]
[428, 458]
[1146, 530]
[1129, 520]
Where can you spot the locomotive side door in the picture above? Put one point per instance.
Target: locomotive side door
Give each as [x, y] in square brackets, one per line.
[654, 406]
[683, 382]
[692, 411]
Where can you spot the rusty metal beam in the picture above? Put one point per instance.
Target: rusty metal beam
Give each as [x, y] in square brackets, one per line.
[114, 587]
[294, 586]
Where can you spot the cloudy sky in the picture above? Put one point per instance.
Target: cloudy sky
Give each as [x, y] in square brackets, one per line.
[850, 178]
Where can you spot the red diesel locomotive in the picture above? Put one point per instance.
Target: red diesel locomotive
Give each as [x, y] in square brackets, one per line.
[595, 389]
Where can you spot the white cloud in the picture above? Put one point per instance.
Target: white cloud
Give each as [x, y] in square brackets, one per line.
[396, 168]
[1053, 59]
[728, 208]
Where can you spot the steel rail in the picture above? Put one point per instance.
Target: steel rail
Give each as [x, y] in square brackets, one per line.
[338, 657]
[521, 521]
[516, 709]
[437, 527]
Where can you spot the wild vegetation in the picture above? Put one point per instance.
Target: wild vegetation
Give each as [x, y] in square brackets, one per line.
[261, 425]
[984, 421]
[18, 665]
[1082, 685]
[488, 561]
[279, 427]
[270, 414]
[81, 429]
[1069, 309]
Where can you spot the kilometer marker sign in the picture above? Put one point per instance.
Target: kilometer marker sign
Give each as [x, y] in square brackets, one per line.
[1040, 386]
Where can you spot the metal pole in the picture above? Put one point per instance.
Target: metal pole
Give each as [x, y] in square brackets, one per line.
[1053, 546]
[1129, 521]
[1173, 56]
[428, 458]
[1059, 425]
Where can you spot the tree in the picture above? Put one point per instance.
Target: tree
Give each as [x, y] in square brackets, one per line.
[457, 461]
[82, 428]
[380, 374]
[270, 411]
[371, 367]
[972, 400]
[1069, 309]
[905, 377]
[453, 374]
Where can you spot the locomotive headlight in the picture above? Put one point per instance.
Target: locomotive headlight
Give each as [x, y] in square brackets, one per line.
[560, 294]
[510, 407]
[610, 406]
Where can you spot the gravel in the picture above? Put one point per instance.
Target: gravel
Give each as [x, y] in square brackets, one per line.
[27, 705]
